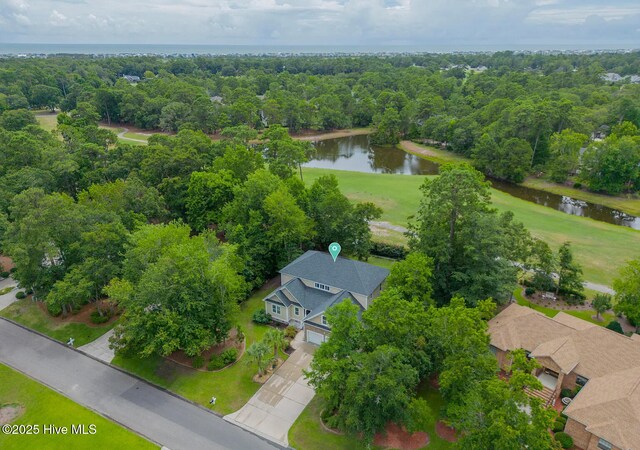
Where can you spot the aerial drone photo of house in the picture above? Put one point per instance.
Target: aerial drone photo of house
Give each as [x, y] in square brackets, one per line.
[313, 283]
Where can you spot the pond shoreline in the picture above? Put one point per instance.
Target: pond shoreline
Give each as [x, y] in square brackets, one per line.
[626, 205]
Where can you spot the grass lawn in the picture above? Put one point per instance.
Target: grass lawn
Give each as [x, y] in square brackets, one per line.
[233, 386]
[381, 262]
[307, 432]
[601, 248]
[27, 313]
[44, 406]
[626, 204]
[551, 312]
[437, 404]
[7, 290]
[47, 121]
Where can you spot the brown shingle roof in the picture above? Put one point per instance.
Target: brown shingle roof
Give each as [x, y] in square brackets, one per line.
[609, 406]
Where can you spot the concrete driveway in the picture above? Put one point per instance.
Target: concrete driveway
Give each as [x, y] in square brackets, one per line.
[100, 348]
[279, 402]
[160, 416]
[9, 298]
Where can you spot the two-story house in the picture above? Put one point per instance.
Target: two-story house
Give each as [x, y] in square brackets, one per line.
[313, 283]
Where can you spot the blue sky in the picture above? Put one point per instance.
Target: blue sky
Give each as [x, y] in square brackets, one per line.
[462, 23]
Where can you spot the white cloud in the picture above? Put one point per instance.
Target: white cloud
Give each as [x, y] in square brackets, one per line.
[290, 22]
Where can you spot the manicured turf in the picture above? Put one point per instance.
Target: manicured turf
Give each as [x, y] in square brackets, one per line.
[551, 312]
[233, 386]
[44, 406]
[628, 204]
[7, 290]
[381, 262]
[27, 313]
[307, 432]
[47, 121]
[601, 248]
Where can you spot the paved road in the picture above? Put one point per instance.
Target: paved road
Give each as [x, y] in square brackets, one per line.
[275, 407]
[159, 416]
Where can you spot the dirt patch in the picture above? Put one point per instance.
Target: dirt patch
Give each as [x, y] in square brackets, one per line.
[446, 432]
[9, 413]
[180, 357]
[312, 135]
[434, 382]
[6, 263]
[398, 437]
[82, 316]
[412, 147]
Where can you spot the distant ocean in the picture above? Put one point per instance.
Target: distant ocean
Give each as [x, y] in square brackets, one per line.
[164, 49]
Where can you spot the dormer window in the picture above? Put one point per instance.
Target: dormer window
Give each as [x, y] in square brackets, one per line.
[324, 287]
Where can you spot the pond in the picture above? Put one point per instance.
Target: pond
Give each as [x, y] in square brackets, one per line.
[355, 153]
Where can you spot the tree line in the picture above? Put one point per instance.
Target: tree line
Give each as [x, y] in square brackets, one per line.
[524, 114]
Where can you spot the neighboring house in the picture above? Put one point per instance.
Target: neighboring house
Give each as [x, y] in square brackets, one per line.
[131, 78]
[605, 414]
[313, 283]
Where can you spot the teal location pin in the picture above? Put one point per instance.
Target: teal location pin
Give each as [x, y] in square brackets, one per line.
[334, 249]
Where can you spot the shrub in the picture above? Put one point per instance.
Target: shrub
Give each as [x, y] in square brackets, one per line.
[566, 393]
[615, 326]
[29, 291]
[4, 274]
[197, 362]
[239, 333]
[262, 317]
[215, 363]
[290, 332]
[564, 439]
[13, 270]
[577, 185]
[388, 250]
[20, 295]
[97, 318]
[530, 291]
[229, 356]
[559, 424]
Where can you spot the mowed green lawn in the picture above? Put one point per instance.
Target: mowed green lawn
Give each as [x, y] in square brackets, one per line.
[47, 120]
[41, 406]
[232, 387]
[601, 248]
[308, 433]
[27, 313]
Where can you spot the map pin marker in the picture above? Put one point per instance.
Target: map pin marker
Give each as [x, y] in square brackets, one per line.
[334, 249]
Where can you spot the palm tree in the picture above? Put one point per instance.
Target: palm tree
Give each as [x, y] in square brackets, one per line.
[257, 352]
[275, 338]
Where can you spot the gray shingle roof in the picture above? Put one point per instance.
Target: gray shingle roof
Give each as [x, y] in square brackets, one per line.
[347, 274]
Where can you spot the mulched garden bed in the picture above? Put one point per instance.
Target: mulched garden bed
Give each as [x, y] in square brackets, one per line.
[445, 432]
[267, 373]
[6, 263]
[398, 437]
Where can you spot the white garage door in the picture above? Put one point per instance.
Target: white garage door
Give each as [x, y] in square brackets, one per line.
[314, 338]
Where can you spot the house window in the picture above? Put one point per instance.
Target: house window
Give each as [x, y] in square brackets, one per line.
[324, 287]
[275, 309]
[324, 320]
[581, 381]
[296, 310]
[604, 445]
